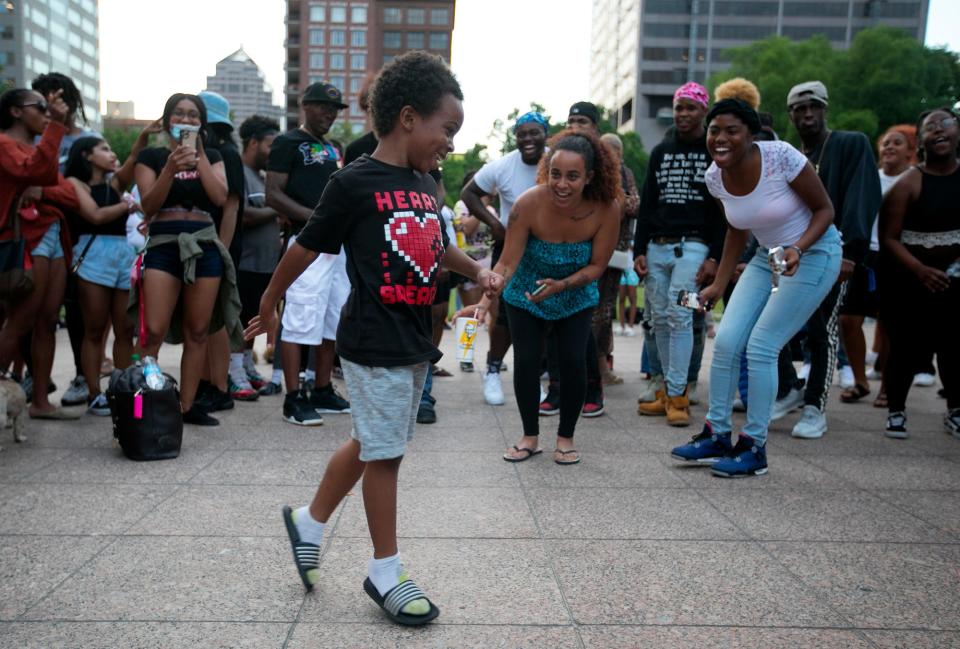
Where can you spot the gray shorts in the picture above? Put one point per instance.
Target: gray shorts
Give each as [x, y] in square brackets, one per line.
[383, 404]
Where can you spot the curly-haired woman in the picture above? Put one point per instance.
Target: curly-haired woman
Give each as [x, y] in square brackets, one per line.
[560, 237]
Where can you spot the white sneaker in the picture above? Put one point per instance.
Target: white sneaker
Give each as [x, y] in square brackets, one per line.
[846, 377]
[781, 407]
[804, 372]
[874, 375]
[629, 331]
[654, 385]
[77, 394]
[871, 358]
[812, 424]
[493, 389]
[618, 329]
[924, 380]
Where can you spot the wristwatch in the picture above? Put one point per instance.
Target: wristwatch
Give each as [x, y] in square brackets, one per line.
[797, 248]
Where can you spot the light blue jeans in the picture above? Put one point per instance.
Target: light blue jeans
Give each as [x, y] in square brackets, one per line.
[667, 275]
[761, 323]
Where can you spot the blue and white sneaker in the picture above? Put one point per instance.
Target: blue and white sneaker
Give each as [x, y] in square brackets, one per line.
[746, 459]
[706, 448]
[897, 425]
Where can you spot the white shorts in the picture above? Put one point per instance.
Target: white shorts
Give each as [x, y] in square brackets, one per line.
[314, 301]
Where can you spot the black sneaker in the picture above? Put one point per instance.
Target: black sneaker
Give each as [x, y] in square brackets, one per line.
[896, 425]
[212, 399]
[326, 400]
[270, 389]
[551, 404]
[198, 417]
[426, 414]
[297, 410]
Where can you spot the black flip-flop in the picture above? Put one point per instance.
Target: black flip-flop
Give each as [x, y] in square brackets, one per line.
[306, 556]
[566, 462]
[396, 598]
[530, 452]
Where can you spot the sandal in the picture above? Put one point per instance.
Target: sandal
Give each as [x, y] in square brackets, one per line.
[530, 452]
[399, 596]
[880, 401]
[306, 556]
[854, 394]
[439, 371]
[562, 461]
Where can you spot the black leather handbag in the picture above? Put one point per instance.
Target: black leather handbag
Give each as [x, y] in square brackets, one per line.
[147, 423]
[15, 279]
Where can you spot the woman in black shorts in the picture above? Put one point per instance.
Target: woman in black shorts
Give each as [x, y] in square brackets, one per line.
[181, 187]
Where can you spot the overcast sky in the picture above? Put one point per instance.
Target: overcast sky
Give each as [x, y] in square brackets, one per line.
[506, 53]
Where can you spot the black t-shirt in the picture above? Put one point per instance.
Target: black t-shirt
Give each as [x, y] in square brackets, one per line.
[308, 163]
[187, 189]
[366, 143]
[236, 184]
[103, 195]
[388, 221]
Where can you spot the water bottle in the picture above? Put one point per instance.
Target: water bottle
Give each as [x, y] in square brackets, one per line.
[152, 374]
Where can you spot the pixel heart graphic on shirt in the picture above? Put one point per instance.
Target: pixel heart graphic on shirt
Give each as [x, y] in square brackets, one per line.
[417, 240]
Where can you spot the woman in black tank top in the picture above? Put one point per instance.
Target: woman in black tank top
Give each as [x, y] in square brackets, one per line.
[920, 259]
[102, 256]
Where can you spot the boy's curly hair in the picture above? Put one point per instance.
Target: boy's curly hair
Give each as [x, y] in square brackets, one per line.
[414, 79]
[604, 187]
[738, 88]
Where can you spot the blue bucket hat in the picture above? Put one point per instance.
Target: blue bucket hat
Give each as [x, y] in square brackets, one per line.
[218, 108]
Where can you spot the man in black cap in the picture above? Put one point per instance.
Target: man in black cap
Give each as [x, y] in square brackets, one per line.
[301, 162]
[846, 166]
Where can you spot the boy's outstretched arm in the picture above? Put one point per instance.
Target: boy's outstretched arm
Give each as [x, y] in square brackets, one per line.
[295, 260]
[459, 262]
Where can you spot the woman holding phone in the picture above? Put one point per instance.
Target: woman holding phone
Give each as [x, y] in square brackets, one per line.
[560, 236]
[769, 189]
[182, 186]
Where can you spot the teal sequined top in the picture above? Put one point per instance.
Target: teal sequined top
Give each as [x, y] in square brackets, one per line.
[543, 260]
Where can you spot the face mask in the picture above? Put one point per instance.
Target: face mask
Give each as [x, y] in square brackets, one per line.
[175, 132]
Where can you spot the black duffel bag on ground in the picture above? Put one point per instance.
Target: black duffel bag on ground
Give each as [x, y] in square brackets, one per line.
[152, 430]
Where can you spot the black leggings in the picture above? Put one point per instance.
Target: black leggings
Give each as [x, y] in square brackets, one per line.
[529, 333]
[920, 324]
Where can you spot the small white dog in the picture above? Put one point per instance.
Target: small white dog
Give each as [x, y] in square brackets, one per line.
[13, 408]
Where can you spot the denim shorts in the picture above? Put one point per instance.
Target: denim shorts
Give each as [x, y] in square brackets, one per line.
[107, 262]
[383, 404]
[167, 257]
[49, 245]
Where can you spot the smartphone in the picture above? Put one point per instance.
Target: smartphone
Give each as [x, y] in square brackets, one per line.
[540, 289]
[188, 136]
[689, 299]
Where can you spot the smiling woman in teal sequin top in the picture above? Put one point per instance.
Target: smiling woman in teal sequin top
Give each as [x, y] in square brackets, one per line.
[560, 237]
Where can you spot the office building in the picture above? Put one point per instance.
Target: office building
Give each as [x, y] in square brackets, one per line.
[242, 83]
[641, 50]
[40, 36]
[343, 41]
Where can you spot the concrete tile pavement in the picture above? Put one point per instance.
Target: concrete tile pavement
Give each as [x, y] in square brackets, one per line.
[850, 541]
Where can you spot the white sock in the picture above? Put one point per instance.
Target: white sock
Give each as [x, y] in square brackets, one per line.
[309, 375]
[385, 573]
[311, 531]
[277, 377]
[247, 356]
[236, 361]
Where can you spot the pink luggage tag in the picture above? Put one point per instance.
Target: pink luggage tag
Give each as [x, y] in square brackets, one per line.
[138, 405]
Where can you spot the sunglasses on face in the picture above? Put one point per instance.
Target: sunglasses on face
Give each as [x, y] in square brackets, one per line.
[40, 105]
[945, 123]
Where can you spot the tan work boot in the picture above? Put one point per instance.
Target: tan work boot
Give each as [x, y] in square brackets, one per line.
[656, 408]
[678, 410]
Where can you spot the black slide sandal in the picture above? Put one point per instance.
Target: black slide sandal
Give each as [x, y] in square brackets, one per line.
[306, 556]
[396, 598]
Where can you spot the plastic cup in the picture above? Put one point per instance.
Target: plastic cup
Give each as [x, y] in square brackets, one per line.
[466, 333]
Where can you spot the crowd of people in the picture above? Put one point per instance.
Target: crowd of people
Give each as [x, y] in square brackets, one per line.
[347, 259]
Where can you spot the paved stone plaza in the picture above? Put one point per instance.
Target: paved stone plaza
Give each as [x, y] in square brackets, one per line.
[850, 541]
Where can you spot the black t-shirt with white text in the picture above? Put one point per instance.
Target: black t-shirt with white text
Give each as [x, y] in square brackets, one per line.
[388, 221]
[308, 163]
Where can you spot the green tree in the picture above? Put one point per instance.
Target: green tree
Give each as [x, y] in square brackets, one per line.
[885, 78]
[121, 140]
[455, 168]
